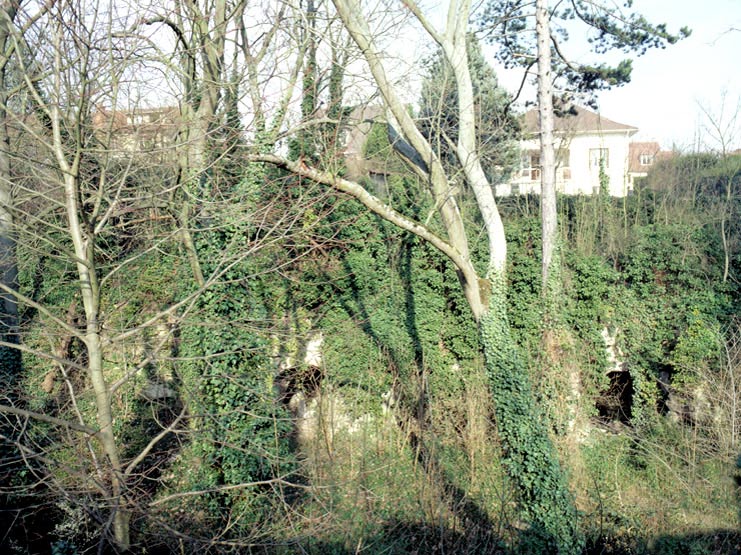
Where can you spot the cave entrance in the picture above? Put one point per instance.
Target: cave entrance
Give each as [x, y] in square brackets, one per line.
[294, 386]
[615, 404]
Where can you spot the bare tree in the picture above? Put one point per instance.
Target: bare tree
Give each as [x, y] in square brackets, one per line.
[80, 201]
[9, 361]
[722, 127]
[521, 425]
[87, 188]
[548, 209]
[8, 264]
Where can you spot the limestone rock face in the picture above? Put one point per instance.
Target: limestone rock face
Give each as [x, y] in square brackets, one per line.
[313, 354]
[326, 416]
[615, 357]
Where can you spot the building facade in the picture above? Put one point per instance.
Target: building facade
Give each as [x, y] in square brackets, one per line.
[642, 156]
[141, 130]
[591, 152]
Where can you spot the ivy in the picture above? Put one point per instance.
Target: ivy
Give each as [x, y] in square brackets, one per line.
[697, 345]
[529, 456]
[241, 431]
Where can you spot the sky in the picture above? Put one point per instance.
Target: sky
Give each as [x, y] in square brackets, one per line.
[670, 88]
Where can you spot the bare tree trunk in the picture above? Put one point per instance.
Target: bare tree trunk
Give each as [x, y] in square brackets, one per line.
[544, 490]
[310, 93]
[726, 218]
[456, 51]
[9, 358]
[548, 210]
[726, 249]
[719, 126]
[81, 228]
[8, 264]
[357, 26]
[84, 249]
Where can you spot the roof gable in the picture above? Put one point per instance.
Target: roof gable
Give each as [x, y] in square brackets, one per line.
[642, 155]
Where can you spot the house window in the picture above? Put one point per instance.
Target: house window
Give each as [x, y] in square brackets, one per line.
[562, 163]
[531, 165]
[137, 119]
[646, 159]
[599, 157]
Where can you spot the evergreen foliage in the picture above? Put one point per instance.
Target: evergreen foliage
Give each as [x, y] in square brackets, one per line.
[507, 24]
[497, 127]
[240, 433]
[394, 318]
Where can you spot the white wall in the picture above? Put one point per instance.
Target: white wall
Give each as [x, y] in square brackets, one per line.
[583, 178]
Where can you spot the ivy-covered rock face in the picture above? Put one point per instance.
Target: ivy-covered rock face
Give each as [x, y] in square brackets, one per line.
[402, 443]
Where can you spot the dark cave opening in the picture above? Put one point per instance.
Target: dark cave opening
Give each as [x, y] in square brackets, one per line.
[615, 403]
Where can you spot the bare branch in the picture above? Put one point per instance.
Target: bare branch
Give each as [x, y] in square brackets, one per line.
[374, 204]
[153, 442]
[231, 487]
[51, 419]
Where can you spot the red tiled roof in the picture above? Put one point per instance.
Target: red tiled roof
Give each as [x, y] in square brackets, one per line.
[651, 149]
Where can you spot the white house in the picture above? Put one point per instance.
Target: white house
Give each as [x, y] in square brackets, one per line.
[586, 142]
[643, 155]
